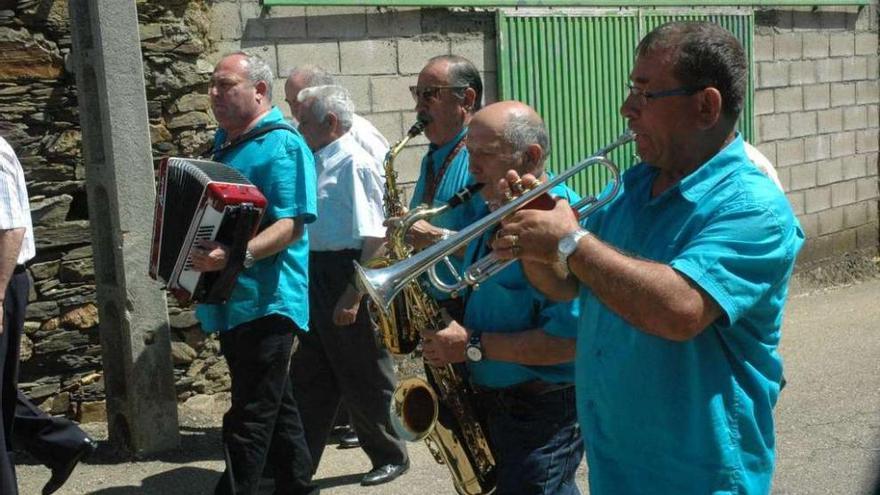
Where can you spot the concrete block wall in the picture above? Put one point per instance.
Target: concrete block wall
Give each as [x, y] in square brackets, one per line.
[816, 106]
[816, 73]
[376, 53]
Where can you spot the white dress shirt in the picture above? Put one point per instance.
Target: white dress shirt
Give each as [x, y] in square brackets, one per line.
[763, 163]
[15, 211]
[370, 139]
[350, 190]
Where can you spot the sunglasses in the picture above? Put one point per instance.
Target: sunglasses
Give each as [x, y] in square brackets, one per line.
[427, 93]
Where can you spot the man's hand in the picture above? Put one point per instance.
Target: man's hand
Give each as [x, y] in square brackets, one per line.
[445, 346]
[533, 235]
[209, 256]
[347, 306]
[422, 234]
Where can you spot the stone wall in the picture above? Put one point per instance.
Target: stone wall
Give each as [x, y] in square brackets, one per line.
[376, 53]
[61, 357]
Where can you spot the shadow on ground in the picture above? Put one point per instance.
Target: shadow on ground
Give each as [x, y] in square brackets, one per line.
[196, 444]
[166, 482]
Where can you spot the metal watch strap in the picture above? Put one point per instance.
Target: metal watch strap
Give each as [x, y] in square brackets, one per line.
[568, 245]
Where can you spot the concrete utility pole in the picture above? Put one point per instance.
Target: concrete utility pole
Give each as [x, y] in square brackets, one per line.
[138, 376]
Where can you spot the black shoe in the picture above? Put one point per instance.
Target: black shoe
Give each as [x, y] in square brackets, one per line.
[61, 473]
[384, 474]
[349, 440]
[338, 430]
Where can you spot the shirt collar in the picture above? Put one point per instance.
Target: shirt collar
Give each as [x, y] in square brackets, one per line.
[702, 180]
[273, 116]
[438, 153]
[695, 185]
[342, 142]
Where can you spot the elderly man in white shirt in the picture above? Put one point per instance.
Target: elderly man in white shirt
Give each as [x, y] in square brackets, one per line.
[16, 248]
[363, 132]
[339, 360]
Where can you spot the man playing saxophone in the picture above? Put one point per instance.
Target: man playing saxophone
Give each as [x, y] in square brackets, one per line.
[518, 345]
[448, 92]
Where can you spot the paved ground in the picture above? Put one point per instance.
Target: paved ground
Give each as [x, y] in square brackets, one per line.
[828, 421]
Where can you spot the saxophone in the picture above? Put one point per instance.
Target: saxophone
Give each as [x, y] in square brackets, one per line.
[397, 338]
[439, 410]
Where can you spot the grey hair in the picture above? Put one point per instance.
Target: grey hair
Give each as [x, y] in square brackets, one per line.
[329, 99]
[313, 75]
[522, 131]
[463, 73]
[258, 70]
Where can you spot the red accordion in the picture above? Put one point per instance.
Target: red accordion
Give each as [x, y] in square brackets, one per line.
[201, 200]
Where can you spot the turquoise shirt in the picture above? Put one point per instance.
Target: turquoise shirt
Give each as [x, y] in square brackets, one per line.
[507, 303]
[281, 166]
[692, 417]
[454, 179]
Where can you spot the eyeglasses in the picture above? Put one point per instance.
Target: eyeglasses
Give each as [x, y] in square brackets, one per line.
[643, 96]
[426, 93]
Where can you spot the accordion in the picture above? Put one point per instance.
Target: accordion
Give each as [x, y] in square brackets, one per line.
[201, 200]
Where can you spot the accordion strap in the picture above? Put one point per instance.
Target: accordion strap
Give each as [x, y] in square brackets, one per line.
[253, 133]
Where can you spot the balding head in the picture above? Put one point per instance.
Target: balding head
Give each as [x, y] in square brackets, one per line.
[503, 136]
[300, 78]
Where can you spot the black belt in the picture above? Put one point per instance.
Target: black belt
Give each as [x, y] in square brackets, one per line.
[334, 255]
[19, 269]
[530, 388]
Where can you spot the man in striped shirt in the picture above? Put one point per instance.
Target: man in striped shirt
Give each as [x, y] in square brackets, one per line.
[16, 248]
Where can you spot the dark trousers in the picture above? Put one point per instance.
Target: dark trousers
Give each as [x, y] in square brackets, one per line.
[334, 364]
[537, 441]
[14, 307]
[52, 441]
[262, 428]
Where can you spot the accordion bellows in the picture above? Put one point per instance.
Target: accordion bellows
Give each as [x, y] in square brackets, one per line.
[201, 200]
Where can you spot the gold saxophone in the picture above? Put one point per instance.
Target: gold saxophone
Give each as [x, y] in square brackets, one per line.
[398, 338]
[439, 410]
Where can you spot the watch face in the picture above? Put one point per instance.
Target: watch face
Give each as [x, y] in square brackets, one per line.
[474, 353]
[567, 246]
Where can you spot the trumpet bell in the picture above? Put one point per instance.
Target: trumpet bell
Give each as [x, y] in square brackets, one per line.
[379, 284]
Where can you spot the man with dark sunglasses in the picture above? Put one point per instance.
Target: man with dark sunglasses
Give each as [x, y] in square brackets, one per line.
[448, 92]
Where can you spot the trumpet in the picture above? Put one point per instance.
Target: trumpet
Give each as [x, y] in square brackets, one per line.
[383, 284]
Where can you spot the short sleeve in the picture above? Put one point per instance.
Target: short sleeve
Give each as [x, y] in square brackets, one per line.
[13, 214]
[292, 183]
[742, 253]
[368, 213]
[560, 319]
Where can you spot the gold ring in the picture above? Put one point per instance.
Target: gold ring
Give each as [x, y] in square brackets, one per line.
[514, 240]
[517, 186]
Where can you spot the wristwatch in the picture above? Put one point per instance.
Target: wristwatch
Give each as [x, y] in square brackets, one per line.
[474, 349]
[249, 259]
[567, 245]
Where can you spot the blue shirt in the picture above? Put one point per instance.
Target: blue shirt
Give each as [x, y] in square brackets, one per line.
[666, 417]
[281, 166]
[507, 303]
[454, 179]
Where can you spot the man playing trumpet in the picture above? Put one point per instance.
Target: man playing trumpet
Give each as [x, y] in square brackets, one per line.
[682, 281]
[519, 345]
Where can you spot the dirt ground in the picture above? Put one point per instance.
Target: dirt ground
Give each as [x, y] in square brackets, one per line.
[828, 426]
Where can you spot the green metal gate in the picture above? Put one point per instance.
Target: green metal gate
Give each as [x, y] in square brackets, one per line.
[572, 67]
